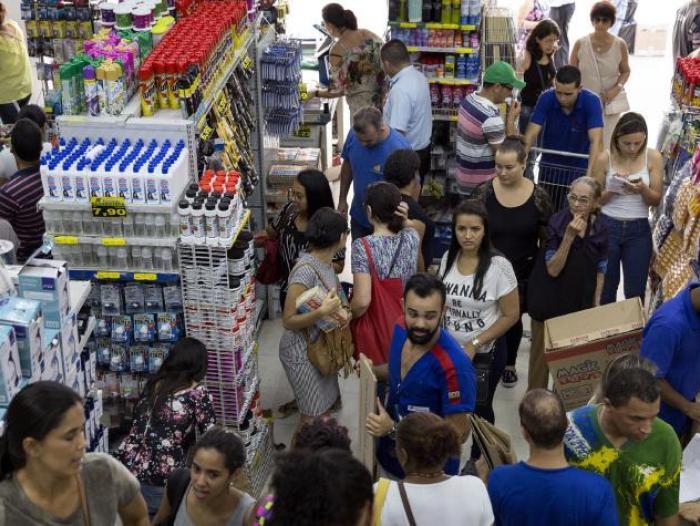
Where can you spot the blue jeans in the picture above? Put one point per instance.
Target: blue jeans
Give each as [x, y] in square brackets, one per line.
[152, 495]
[358, 230]
[629, 243]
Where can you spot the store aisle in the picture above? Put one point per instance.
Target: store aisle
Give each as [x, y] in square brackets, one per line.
[275, 390]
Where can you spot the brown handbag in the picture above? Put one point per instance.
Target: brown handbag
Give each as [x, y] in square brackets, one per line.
[494, 443]
[331, 351]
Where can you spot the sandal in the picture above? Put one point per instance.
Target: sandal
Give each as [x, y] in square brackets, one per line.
[287, 409]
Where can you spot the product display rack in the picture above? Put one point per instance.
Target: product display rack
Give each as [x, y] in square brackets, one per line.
[69, 237]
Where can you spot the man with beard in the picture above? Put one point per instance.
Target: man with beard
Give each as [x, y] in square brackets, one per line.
[427, 371]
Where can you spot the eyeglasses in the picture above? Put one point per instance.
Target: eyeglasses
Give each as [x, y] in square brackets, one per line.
[573, 199]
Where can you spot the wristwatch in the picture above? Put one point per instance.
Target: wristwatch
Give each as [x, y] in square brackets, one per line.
[476, 343]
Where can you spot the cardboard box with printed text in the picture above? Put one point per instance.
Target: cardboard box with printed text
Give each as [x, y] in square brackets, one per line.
[579, 346]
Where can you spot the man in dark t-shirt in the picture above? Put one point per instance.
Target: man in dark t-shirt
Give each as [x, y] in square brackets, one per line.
[402, 169]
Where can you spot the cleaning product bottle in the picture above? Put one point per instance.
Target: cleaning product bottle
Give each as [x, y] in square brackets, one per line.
[92, 99]
[147, 89]
[415, 10]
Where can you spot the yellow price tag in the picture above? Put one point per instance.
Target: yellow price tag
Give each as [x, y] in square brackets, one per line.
[66, 240]
[107, 275]
[108, 206]
[247, 62]
[113, 241]
[303, 131]
[140, 276]
[407, 25]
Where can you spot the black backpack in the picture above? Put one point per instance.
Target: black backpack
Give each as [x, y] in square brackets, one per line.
[178, 482]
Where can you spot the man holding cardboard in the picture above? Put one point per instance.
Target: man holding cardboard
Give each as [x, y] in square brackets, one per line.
[427, 371]
[545, 489]
[672, 341]
[623, 440]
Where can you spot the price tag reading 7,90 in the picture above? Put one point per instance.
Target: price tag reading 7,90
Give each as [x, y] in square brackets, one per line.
[108, 207]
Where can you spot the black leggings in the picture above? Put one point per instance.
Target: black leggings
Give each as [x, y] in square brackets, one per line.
[512, 338]
[498, 364]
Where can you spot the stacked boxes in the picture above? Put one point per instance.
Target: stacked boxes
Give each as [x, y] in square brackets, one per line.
[10, 369]
[47, 281]
[24, 316]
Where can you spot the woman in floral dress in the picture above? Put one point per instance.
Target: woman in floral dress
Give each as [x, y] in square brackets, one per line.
[173, 409]
[355, 68]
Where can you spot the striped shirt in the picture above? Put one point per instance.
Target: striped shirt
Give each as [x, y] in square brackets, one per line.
[18, 204]
[479, 125]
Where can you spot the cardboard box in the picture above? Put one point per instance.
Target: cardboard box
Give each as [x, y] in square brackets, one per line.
[69, 345]
[579, 346]
[10, 370]
[46, 280]
[24, 316]
[52, 362]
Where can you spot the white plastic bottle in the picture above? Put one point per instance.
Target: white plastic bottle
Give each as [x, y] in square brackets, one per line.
[147, 256]
[224, 215]
[184, 213]
[150, 222]
[198, 224]
[211, 225]
[136, 260]
[160, 226]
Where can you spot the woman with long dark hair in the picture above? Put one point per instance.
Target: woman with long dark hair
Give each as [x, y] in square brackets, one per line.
[518, 213]
[46, 476]
[536, 66]
[355, 66]
[631, 175]
[482, 299]
[173, 408]
[206, 493]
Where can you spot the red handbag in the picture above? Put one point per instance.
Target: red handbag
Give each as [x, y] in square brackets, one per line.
[372, 331]
[269, 269]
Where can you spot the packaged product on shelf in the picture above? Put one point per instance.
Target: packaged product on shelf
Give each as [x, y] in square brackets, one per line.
[111, 300]
[122, 329]
[154, 298]
[46, 280]
[134, 299]
[144, 327]
[70, 342]
[10, 369]
[168, 329]
[173, 298]
[119, 358]
[52, 358]
[157, 354]
[24, 316]
[138, 356]
[311, 300]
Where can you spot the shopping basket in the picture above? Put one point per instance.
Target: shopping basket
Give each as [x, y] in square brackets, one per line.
[554, 171]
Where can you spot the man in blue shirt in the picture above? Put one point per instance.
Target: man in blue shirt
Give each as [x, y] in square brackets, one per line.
[545, 489]
[366, 148]
[672, 341]
[571, 120]
[408, 107]
[427, 372]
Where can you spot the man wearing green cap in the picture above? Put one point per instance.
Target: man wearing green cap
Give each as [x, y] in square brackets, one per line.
[480, 127]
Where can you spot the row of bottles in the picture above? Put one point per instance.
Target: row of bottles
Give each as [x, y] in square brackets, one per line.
[145, 258]
[66, 222]
[436, 11]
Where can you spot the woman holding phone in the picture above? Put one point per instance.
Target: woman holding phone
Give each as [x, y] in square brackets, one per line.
[631, 176]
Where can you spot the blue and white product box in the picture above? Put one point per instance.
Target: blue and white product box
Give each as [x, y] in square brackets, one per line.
[10, 369]
[24, 316]
[46, 280]
[69, 344]
[52, 356]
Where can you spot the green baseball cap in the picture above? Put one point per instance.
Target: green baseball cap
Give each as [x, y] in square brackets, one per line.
[502, 73]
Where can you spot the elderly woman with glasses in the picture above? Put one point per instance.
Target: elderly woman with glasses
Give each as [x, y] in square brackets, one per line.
[568, 277]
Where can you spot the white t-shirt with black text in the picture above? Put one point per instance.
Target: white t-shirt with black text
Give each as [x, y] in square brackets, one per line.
[457, 500]
[467, 315]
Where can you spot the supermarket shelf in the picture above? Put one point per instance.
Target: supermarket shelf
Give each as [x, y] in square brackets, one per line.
[433, 25]
[169, 242]
[452, 82]
[250, 352]
[122, 275]
[46, 204]
[456, 50]
[78, 291]
[92, 321]
[241, 225]
[440, 117]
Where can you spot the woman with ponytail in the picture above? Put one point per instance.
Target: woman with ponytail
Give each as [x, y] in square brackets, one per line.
[424, 442]
[48, 479]
[355, 67]
[315, 393]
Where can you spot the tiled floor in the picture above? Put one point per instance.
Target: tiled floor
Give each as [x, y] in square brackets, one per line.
[275, 390]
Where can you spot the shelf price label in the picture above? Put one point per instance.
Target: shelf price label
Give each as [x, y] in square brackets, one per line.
[66, 240]
[113, 241]
[141, 276]
[303, 131]
[247, 62]
[103, 274]
[108, 206]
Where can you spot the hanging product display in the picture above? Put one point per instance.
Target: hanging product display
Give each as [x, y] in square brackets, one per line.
[281, 74]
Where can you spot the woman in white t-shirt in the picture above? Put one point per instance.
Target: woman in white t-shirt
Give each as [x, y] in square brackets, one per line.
[424, 442]
[482, 300]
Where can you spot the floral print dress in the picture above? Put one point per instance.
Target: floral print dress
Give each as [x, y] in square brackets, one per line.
[159, 441]
[360, 74]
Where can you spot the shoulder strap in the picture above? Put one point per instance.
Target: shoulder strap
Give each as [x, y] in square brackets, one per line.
[370, 259]
[379, 499]
[83, 501]
[406, 504]
[396, 254]
[317, 274]
[595, 61]
[176, 488]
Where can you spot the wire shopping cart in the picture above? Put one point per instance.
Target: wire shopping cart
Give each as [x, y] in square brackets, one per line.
[554, 171]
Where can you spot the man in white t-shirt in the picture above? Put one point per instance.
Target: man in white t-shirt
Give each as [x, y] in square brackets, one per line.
[8, 164]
